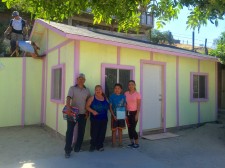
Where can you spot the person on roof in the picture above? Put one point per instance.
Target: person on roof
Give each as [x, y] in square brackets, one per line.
[17, 30]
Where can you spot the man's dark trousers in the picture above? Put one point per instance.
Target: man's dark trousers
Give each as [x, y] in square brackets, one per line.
[81, 130]
[69, 136]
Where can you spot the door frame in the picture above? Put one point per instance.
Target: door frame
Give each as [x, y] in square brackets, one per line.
[163, 65]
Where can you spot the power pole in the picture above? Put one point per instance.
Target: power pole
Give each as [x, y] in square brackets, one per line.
[206, 49]
[193, 41]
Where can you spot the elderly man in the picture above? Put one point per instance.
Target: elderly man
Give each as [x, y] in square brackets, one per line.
[77, 97]
[17, 30]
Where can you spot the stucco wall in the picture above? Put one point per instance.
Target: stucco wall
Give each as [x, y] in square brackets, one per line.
[11, 91]
[93, 55]
[33, 95]
[64, 55]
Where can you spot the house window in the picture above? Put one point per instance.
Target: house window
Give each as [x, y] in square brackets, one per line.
[57, 83]
[199, 86]
[113, 76]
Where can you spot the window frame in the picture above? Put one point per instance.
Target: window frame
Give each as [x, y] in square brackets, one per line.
[192, 99]
[62, 99]
[115, 66]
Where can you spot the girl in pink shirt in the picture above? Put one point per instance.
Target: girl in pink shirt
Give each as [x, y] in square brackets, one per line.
[133, 99]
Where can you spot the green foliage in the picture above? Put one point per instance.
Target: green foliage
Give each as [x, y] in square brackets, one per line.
[124, 12]
[220, 49]
[3, 46]
[158, 37]
[3, 7]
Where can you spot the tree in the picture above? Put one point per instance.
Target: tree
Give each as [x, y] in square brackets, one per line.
[161, 37]
[125, 12]
[220, 49]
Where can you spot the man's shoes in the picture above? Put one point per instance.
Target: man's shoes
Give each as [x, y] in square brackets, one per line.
[136, 146]
[92, 148]
[67, 154]
[101, 149]
[130, 145]
[78, 150]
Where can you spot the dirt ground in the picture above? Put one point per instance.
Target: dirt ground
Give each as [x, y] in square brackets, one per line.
[36, 147]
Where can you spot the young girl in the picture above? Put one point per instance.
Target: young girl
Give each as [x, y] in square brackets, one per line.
[133, 99]
[117, 104]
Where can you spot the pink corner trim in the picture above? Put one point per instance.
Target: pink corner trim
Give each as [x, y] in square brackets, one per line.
[216, 91]
[177, 92]
[23, 91]
[43, 90]
[58, 46]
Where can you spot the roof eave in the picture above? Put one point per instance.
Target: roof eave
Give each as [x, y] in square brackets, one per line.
[114, 43]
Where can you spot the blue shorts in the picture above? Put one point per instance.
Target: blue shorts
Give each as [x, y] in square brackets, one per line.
[118, 124]
[26, 46]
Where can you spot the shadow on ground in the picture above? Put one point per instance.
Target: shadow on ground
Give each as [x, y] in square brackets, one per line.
[35, 147]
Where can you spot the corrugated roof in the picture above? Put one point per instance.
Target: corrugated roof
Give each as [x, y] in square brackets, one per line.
[84, 32]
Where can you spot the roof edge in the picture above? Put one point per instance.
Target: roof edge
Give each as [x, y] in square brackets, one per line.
[125, 45]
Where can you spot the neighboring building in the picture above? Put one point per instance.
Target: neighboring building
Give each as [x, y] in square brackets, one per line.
[86, 20]
[178, 87]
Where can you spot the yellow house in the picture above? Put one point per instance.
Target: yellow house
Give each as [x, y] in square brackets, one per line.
[178, 87]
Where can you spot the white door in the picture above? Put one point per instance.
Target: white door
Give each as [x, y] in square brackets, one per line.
[152, 97]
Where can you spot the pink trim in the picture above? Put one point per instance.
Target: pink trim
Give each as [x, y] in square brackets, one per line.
[46, 88]
[23, 92]
[58, 56]
[76, 59]
[177, 91]
[151, 56]
[118, 55]
[114, 66]
[141, 92]
[62, 100]
[43, 90]
[57, 117]
[32, 32]
[51, 28]
[58, 46]
[199, 108]
[163, 64]
[45, 81]
[90, 39]
[115, 43]
[206, 87]
[164, 102]
[216, 91]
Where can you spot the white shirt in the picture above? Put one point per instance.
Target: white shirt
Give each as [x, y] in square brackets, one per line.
[17, 24]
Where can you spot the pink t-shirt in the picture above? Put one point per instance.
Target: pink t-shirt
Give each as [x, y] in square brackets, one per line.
[131, 100]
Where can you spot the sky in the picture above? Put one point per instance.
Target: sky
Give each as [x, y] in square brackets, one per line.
[179, 31]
